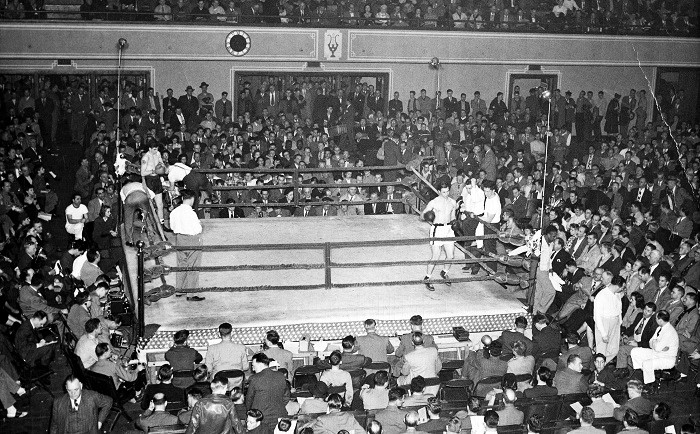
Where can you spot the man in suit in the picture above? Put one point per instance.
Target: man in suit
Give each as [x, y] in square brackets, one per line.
[223, 107]
[662, 351]
[406, 340]
[156, 415]
[335, 420]
[637, 335]
[226, 355]
[395, 106]
[374, 208]
[662, 297]
[80, 107]
[675, 195]
[509, 415]
[351, 360]
[169, 105]
[482, 364]
[215, 412]
[422, 361]
[372, 345]
[586, 418]
[688, 332]
[509, 337]
[33, 348]
[684, 261]
[546, 341]
[328, 209]
[45, 107]
[31, 300]
[642, 194]
[573, 347]
[151, 102]
[675, 306]
[267, 391]
[79, 411]
[392, 417]
[393, 207]
[151, 121]
[189, 104]
[451, 104]
[589, 259]
[636, 402]
[518, 203]
[570, 379]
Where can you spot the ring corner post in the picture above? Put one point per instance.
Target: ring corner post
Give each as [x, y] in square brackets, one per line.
[327, 265]
[140, 287]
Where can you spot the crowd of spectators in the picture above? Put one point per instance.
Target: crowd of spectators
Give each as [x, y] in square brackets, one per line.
[619, 225]
[626, 17]
[368, 385]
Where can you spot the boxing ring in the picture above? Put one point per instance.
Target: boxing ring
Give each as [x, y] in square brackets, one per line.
[319, 278]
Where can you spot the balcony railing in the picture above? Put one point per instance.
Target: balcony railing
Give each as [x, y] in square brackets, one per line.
[542, 22]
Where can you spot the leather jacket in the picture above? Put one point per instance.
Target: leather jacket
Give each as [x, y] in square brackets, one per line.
[214, 414]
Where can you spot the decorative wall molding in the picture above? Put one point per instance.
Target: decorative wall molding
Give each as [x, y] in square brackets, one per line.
[526, 70]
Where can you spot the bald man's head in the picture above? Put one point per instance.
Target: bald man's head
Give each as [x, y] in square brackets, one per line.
[411, 419]
[509, 396]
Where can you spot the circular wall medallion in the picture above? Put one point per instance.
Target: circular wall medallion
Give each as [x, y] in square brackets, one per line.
[238, 43]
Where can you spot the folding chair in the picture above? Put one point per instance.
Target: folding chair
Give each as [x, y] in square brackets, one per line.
[458, 390]
[482, 386]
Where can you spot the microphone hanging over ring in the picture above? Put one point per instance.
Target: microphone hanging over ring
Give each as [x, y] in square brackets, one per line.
[122, 43]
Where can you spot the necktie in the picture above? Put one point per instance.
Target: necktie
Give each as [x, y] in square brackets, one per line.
[658, 332]
[639, 195]
[325, 213]
[640, 327]
[680, 317]
[75, 404]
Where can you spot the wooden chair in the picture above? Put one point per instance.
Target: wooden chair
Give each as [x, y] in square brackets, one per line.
[305, 375]
[511, 429]
[547, 407]
[485, 382]
[340, 390]
[76, 365]
[458, 390]
[104, 385]
[449, 370]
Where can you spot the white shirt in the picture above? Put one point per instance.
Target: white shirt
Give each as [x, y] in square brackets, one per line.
[545, 255]
[78, 265]
[493, 206]
[184, 221]
[606, 305]
[665, 336]
[177, 172]
[76, 213]
[474, 201]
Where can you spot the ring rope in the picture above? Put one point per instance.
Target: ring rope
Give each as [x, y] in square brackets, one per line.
[334, 245]
[249, 267]
[335, 285]
[272, 267]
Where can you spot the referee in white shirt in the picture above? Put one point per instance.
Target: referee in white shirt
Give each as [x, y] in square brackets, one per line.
[188, 232]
